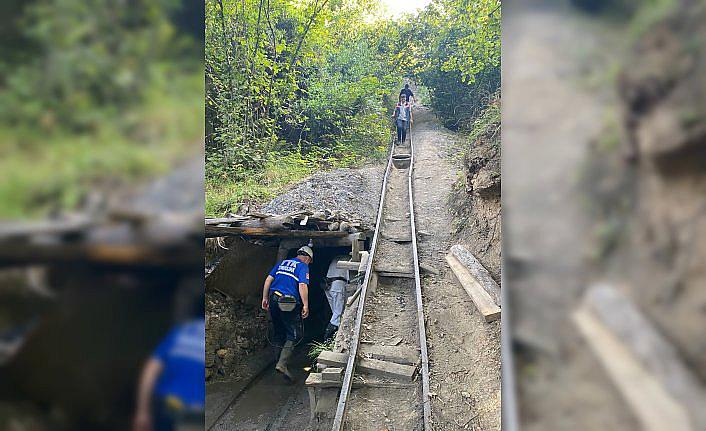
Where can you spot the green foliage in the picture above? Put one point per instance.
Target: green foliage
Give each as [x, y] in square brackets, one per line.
[92, 94]
[457, 45]
[291, 82]
[317, 347]
[41, 173]
[292, 87]
[90, 54]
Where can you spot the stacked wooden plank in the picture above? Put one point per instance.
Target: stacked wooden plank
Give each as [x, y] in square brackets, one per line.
[304, 224]
[382, 366]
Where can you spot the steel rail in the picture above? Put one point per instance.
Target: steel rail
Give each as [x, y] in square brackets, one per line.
[426, 401]
[342, 405]
[355, 340]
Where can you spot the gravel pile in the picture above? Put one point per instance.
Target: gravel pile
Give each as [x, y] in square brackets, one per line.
[351, 193]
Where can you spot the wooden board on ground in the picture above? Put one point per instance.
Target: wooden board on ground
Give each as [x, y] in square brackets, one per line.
[646, 368]
[371, 366]
[652, 405]
[398, 238]
[478, 271]
[315, 380]
[398, 354]
[484, 303]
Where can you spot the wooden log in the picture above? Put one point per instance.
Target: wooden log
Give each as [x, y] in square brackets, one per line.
[264, 232]
[118, 255]
[371, 366]
[398, 238]
[270, 222]
[388, 268]
[478, 271]
[646, 368]
[483, 301]
[77, 224]
[225, 220]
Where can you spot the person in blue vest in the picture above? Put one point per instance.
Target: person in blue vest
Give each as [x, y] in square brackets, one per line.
[171, 391]
[286, 295]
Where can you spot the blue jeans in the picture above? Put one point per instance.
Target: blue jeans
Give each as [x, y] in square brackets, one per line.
[402, 130]
[287, 325]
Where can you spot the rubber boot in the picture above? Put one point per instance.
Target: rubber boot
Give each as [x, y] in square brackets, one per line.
[330, 331]
[281, 366]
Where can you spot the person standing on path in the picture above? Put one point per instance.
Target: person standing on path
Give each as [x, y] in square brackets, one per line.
[408, 94]
[285, 295]
[403, 118]
[336, 280]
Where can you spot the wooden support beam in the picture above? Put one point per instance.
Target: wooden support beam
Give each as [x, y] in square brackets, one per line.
[370, 366]
[484, 303]
[398, 238]
[355, 249]
[17, 229]
[225, 220]
[351, 266]
[373, 282]
[264, 232]
[364, 256]
[116, 255]
[353, 297]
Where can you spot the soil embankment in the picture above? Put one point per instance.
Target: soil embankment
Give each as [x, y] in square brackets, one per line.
[464, 350]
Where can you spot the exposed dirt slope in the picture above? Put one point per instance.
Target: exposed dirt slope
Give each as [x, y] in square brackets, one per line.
[548, 123]
[475, 200]
[464, 350]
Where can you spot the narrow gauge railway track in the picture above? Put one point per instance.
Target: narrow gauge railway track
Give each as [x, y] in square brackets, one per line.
[390, 313]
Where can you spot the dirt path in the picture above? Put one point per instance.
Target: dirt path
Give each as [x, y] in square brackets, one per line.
[464, 351]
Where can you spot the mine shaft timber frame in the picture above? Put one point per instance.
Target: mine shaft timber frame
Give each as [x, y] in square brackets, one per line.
[355, 340]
